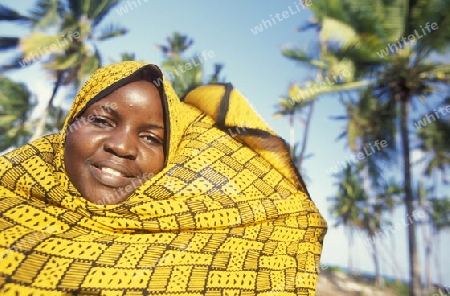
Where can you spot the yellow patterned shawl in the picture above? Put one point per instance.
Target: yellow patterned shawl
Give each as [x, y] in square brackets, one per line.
[228, 215]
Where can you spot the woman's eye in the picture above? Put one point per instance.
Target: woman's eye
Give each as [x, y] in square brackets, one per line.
[152, 140]
[101, 121]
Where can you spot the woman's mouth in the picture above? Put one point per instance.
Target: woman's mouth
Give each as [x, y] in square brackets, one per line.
[110, 177]
[112, 172]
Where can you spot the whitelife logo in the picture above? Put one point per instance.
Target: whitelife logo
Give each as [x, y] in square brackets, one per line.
[265, 24]
[411, 38]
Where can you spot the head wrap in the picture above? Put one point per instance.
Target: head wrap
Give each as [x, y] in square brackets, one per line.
[227, 215]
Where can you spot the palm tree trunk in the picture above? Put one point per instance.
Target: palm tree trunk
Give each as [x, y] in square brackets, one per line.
[305, 137]
[437, 261]
[40, 128]
[291, 134]
[371, 228]
[394, 255]
[428, 251]
[376, 263]
[350, 253]
[414, 269]
[436, 237]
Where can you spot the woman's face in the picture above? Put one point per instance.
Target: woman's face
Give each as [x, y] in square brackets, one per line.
[117, 144]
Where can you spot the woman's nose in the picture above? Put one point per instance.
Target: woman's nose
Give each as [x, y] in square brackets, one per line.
[121, 143]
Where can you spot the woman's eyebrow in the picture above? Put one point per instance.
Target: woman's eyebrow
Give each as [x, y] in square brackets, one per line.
[109, 110]
[153, 126]
[114, 113]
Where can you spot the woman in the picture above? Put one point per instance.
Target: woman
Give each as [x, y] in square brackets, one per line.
[142, 193]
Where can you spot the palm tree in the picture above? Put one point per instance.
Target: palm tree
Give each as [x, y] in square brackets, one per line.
[375, 222]
[173, 66]
[331, 75]
[127, 56]
[375, 38]
[63, 40]
[422, 194]
[288, 107]
[16, 101]
[185, 73]
[435, 144]
[177, 45]
[370, 121]
[439, 213]
[348, 204]
[365, 119]
[354, 209]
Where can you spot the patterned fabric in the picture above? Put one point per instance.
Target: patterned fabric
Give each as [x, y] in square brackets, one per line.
[228, 214]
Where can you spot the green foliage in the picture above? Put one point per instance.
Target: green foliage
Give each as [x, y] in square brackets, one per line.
[46, 13]
[434, 141]
[15, 105]
[63, 40]
[349, 203]
[181, 78]
[397, 287]
[334, 269]
[440, 213]
[185, 73]
[177, 44]
[127, 56]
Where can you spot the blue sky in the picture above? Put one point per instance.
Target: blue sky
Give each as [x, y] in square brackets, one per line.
[255, 66]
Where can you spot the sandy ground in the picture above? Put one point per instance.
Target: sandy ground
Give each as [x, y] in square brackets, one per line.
[341, 285]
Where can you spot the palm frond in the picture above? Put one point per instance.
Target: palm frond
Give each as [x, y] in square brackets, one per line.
[111, 31]
[100, 9]
[76, 8]
[396, 15]
[300, 56]
[8, 14]
[8, 43]
[47, 13]
[309, 25]
[17, 62]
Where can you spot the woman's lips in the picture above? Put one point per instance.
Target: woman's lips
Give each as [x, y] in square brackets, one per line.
[109, 176]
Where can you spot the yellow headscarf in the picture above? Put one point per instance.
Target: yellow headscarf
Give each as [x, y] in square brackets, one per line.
[228, 214]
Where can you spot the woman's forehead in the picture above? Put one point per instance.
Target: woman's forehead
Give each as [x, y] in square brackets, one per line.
[137, 93]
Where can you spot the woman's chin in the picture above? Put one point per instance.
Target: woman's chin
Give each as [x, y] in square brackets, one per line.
[106, 198]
